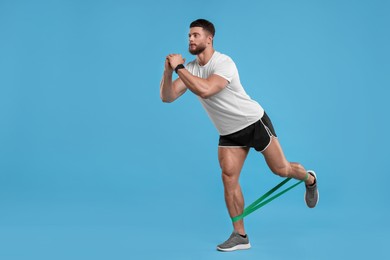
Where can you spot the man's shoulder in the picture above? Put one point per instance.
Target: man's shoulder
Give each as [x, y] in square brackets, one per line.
[221, 57]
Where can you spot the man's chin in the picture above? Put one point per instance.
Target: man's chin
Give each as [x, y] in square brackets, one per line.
[195, 52]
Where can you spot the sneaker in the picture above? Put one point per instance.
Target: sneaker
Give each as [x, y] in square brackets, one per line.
[235, 242]
[312, 195]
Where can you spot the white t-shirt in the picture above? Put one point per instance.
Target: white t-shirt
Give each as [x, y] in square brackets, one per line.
[231, 109]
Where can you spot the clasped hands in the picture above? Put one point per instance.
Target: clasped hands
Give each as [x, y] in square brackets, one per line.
[172, 60]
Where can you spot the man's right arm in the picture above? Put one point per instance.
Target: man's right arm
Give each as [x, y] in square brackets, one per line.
[170, 91]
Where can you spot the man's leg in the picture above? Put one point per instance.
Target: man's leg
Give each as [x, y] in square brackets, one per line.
[279, 165]
[231, 161]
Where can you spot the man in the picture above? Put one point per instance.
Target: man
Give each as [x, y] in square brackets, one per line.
[241, 122]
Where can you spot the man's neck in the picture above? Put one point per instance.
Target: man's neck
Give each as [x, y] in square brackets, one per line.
[205, 56]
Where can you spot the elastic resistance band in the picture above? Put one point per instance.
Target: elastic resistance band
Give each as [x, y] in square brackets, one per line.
[260, 203]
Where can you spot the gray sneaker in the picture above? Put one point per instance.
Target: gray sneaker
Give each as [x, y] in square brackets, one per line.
[312, 196]
[235, 242]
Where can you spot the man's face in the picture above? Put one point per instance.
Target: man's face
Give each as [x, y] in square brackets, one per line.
[198, 40]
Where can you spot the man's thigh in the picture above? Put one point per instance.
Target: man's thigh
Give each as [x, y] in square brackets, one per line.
[274, 155]
[231, 159]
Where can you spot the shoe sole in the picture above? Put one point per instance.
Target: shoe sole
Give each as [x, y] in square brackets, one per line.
[304, 195]
[237, 247]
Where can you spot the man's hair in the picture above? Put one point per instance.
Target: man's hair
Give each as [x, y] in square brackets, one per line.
[206, 25]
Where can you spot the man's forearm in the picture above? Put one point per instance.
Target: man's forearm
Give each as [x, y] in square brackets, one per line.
[166, 91]
[197, 85]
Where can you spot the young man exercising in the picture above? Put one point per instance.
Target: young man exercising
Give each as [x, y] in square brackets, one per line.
[241, 122]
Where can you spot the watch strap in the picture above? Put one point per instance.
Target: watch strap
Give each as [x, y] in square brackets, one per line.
[180, 66]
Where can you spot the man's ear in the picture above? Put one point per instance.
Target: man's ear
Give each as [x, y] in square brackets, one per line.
[210, 38]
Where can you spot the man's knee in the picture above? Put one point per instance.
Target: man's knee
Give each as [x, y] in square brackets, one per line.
[229, 177]
[282, 171]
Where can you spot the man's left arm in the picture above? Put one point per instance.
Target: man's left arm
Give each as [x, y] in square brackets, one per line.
[204, 88]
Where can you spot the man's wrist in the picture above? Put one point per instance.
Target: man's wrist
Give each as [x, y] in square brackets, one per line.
[178, 67]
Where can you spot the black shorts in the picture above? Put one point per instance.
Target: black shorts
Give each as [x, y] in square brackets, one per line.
[258, 135]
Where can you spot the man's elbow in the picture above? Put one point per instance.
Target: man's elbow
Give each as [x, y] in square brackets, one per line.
[205, 94]
[166, 100]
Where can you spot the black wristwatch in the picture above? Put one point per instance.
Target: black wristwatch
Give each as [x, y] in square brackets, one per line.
[180, 66]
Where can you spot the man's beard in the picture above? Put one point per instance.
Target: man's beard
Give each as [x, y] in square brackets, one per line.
[198, 50]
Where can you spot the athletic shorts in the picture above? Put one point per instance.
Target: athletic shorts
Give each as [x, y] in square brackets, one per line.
[258, 135]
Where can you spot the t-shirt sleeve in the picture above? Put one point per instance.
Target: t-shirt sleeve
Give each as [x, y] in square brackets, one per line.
[225, 68]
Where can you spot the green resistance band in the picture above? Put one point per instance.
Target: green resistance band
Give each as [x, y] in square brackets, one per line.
[260, 203]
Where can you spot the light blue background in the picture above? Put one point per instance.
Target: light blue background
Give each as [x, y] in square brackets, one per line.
[94, 166]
